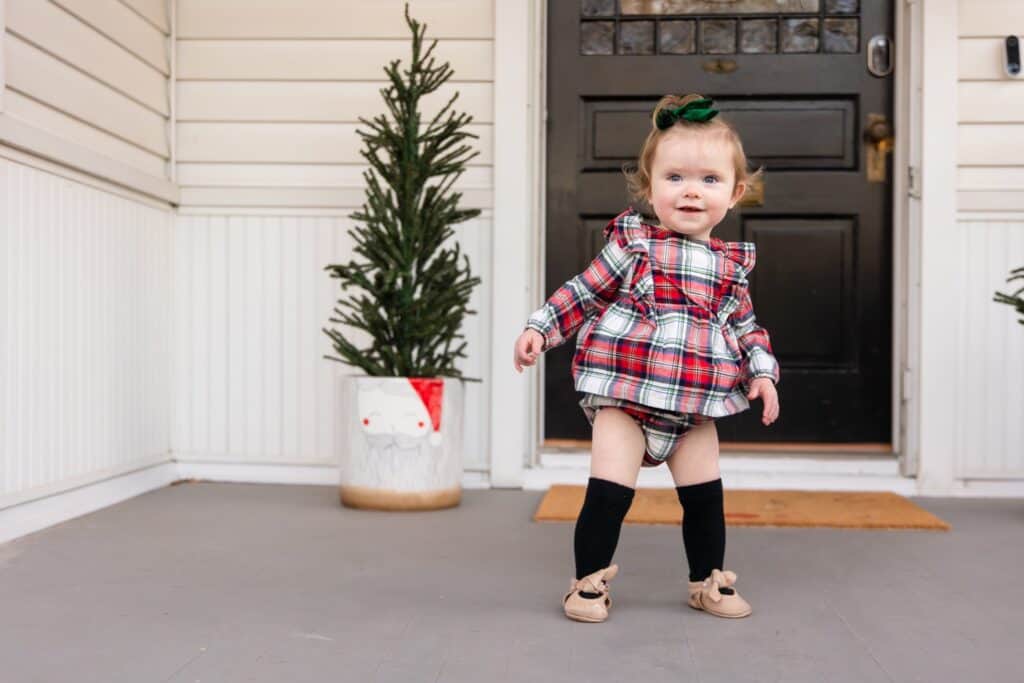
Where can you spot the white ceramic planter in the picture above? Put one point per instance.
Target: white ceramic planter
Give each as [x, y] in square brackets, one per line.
[402, 443]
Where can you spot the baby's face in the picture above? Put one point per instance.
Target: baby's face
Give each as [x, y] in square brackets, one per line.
[692, 182]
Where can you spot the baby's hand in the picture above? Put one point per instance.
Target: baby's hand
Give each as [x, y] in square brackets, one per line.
[528, 347]
[764, 388]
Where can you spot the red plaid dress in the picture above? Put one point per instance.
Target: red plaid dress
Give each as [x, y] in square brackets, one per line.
[664, 321]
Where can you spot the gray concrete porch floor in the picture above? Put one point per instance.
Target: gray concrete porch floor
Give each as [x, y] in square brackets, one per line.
[242, 582]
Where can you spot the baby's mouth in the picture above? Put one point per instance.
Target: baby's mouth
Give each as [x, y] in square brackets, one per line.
[690, 209]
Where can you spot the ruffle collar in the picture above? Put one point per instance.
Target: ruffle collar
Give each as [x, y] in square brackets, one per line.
[629, 228]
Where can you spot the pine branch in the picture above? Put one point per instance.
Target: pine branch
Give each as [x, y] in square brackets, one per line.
[1013, 299]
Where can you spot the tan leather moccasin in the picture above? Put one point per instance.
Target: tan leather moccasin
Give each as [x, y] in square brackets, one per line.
[594, 609]
[716, 595]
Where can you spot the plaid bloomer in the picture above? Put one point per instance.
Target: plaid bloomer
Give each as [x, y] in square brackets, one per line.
[663, 430]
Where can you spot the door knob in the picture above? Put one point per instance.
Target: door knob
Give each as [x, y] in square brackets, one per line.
[878, 137]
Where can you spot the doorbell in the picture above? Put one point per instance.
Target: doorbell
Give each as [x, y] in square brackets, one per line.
[1012, 63]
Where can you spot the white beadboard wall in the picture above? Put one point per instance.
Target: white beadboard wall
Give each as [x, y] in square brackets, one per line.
[990, 107]
[269, 95]
[84, 348]
[95, 73]
[988, 384]
[251, 384]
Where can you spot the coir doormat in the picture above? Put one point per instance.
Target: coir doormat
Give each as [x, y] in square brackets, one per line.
[839, 509]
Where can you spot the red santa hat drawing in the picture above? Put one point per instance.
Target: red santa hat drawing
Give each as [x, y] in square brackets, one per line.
[431, 393]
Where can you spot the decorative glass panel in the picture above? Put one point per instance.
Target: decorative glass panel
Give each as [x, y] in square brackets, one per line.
[636, 38]
[677, 37]
[840, 35]
[841, 6]
[718, 36]
[719, 7]
[799, 35]
[758, 36]
[597, 38]
[598, 8]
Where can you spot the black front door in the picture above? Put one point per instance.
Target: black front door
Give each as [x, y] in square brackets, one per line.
[793, 77]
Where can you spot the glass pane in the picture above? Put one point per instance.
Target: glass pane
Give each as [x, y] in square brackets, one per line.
[799, 35]
[841, 6]
[597, 8]
[677, 37]
[841, 35]
[718, 36]
[636, 38]
[758, 35]
[597, 38]
[719, 7]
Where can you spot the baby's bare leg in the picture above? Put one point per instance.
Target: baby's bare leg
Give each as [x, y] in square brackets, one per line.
[617, 448]
[695, 470]
[695, 459]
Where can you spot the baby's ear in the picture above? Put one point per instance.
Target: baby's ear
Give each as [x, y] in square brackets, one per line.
[738, 192]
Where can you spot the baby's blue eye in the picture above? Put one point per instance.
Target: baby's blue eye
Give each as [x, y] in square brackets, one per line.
[674, 177]
[714, 178]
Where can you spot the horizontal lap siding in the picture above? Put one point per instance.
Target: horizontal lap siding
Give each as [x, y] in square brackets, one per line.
[269, 95]
[990, 109]
[93, 72]
[316, 19]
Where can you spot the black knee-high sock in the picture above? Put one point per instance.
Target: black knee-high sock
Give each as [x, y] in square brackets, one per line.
[703, 527]
[599, 523]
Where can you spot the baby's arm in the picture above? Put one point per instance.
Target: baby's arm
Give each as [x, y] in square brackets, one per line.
[758, 359]
[593, 289]
[760, 370]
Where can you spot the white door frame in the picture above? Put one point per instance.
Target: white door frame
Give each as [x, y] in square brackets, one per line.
[518, 243]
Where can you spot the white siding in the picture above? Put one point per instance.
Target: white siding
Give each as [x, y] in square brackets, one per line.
[84, 352]
[990, 108]
[268, 98]
[251, 384]
[93, 73]
[269, 95]
[989, 380]
[990, 186]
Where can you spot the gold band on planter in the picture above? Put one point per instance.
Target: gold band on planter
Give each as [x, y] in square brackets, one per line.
[382, 499]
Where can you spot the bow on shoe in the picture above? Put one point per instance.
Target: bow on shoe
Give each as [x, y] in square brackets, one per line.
[596, 582]
[718, 579]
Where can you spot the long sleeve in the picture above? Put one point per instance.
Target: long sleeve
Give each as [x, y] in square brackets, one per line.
[592, 290]
[758, 359]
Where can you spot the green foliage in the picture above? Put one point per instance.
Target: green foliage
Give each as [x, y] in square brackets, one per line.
[413, 291]
[1015, 299]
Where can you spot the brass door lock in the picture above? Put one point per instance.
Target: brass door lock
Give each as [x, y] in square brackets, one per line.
[878, 136]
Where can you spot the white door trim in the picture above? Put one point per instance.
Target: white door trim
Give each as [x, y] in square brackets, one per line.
[906, 230]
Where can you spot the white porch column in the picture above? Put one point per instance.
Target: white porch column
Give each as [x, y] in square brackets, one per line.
[938, 247]
[515, 149]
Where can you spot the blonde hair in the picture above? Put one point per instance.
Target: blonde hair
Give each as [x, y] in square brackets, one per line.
[638, 178]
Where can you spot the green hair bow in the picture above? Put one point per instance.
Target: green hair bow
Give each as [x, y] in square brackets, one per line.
[698, 110]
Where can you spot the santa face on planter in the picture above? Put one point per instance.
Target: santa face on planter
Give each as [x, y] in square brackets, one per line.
[397, 443]
[398, 415]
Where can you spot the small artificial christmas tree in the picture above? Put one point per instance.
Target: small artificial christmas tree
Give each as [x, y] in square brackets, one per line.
[1014, 299]
[414, 291]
